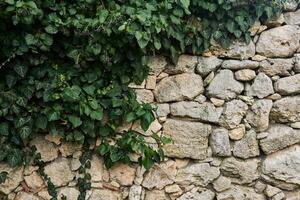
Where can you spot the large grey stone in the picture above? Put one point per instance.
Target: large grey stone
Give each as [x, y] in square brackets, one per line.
[240, 193]
[241, 171]
[240, 64]
[190, 139]
[292, 18]
[258, 116]
[279, 42]
[286, 109]
[261, 87]
[179, 87]
[247, 147]
[234, 112]
[289, 85]
[206, 112]
[283, 166]
[277, 66]
[240, 50]
[185, 64]
[200, 174]
[219, 142]
[207, 65]
[280, 136]
[224, 86]
[290, 5]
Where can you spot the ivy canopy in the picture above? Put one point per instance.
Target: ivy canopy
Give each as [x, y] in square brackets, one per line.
[65, 66]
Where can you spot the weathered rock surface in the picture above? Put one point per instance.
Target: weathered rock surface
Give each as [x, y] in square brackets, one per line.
[283, 166]
[34, 181]
[105, 194]
[240, 193]
[222, 184]
[289, 85]
[286, 109]
[247, 147]
[224, 86]
[185, 64]
[240, 171]
[292, 18]
[123, 174]
[205, 112]
[240, 50]
[156, 195]
[240, 64]
[233, 113]
[261, 87]
[200, 174]
[14, 178]
[179, 87]
[190, 139]
[47, 149]
[157, 64]
[278, 66]
[279, 42]
[219, 142]
[206, 195]
[245, 75]
[59, 171]
[207, 65]
[26, 196]
[98, 171]
[68, 192]
[144, 96]
[135, 192]
[258, 116]
[280, 136]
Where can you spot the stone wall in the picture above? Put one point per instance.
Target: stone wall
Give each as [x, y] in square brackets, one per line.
[233, 115]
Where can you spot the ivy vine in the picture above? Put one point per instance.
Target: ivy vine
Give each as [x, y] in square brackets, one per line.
[65, 66]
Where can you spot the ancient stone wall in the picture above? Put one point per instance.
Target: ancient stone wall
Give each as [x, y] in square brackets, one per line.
[233, 116]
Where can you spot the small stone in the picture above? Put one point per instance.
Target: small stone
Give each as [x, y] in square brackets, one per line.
[247, 147]
[295, 125]
[200, 174]
[68, 148]
[248, 100]
[137, 86]
[277, 67]
[222, 184]
[208, 79]
[275, 22]
[185, 64]
[238, 132]
[151, 82]
[240, 193]
[144, 96]
[105, 194]
[206, 195]
[279, 196]
[163, 109]
[260, 187]
[173, 189]
[258, 116]
[46, 149]
[98, 171]
[271, 191]
[34, 181]
[286, 109]
[224, 86]
[280, 136]
[206, 112]
[258, 58]
[262, 135]
[135, 192]
[297, 63]
[279, 42]
[274, 97]
[290, 5]
[240, 50]
[68, 192]
[26, 196]
[123, 174]
[219, 142]
[292, 18]
[200, 98]
[217, 102]
[14, 178]
[56, 139]
[157, 64]
[261, 87]
[154, 127]
[207, 65]
[156, 195]
[59, 171]
[240, 64]
[241, 171]
[233, 114]
[245, 75]
[254, 28]
[288, 86]
[162, 76]
[179, 87]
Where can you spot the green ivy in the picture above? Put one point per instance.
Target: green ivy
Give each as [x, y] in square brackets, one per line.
[65, 66]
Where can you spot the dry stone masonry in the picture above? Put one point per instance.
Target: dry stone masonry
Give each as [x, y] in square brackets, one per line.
[234, 118]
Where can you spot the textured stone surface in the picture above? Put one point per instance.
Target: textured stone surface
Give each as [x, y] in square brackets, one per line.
[240, 50]
[179, 87]
[244, 75]
[219, 142]
[261, 87]
[279, 42]
[156, 195]
[190, 139]
[240, 193]
[144, 96]
[198, 174]
[206, 195]
[278, 66]
[286, 109]
[26, 196]
[240, 171]
[224, 86]
[222, 184]
[157, 64]
[206, 112]
[105, 194]
[289, 85]
[68, 192]
[123, 174]
[292, 18]
[47, 149]
[283, 166]
[280, 136]
[207, 65]
[258, 116]
[185, 63]
[240, 64]
[14, 178]
[247, 147]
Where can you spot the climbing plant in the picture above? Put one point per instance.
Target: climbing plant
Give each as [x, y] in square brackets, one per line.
[65, 66]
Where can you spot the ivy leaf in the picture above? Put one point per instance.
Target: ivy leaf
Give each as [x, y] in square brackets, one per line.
[78, 136]
[21, 70]
[3, 176]
[147, 163]
[14, 158]
[102, 149]
[4, 128]
[11, 80]
[41, 122]
[129, 117]
[185, 3]
[51, 29]
[97, 115]
[11, 2]
[25, 132]
[76, 121]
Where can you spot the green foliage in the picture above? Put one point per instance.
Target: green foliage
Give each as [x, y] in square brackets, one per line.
[3, 176]
[65, 67]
